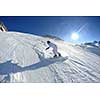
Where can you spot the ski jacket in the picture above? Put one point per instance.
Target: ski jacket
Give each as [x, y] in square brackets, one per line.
[52, 45]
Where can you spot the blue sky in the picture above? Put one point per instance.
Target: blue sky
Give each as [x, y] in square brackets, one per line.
[88, 28]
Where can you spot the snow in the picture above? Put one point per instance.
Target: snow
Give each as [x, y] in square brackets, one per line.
[92, 47]
[23, 58]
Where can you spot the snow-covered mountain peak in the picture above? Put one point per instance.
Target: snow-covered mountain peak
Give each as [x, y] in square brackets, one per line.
[93, 47]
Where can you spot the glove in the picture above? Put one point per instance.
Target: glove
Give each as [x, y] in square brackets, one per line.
[47, 48]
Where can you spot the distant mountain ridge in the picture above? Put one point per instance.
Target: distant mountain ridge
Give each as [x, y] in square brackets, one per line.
[93, 47]
[52, 37]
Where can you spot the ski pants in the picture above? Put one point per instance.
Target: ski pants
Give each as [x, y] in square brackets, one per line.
[55, 51]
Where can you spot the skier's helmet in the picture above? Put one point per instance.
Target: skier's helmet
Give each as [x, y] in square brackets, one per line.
[48, 42]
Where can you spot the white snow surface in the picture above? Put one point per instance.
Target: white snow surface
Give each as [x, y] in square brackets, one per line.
[23, 59]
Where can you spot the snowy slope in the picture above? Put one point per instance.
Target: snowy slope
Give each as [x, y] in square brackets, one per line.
[91, 47]
[23, 58]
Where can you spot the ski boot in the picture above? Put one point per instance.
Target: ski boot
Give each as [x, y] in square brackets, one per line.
[59, 54]
[55, 56]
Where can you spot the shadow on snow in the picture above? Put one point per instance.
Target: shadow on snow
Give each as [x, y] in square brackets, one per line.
[8, 68]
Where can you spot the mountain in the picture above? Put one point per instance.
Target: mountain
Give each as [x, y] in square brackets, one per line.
[23, 58]
[52, 37]
[93, 47]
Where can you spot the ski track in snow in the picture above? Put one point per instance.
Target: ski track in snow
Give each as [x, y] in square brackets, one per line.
[31, 63]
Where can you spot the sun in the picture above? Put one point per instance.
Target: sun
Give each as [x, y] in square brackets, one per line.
[74, 36]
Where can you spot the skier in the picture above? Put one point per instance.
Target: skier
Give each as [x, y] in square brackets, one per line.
[55, 51]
